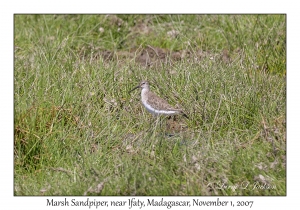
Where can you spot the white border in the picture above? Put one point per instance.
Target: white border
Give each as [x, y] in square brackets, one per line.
[9, 8]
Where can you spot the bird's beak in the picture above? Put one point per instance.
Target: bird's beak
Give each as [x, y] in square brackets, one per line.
[134, 88]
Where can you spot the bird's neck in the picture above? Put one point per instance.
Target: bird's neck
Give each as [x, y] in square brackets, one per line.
[144, 93]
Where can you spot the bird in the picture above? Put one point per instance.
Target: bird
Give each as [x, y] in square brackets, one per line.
[154, 104]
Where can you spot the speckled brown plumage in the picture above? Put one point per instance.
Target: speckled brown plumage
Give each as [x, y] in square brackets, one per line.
[155, 104]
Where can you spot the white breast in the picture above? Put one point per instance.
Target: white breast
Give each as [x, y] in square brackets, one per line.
[153, 110]
[158, 112]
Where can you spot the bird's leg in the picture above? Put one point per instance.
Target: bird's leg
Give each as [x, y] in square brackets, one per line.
[157, 121]
[150, 123]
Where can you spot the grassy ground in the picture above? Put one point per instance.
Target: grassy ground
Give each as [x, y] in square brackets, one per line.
[79, 132]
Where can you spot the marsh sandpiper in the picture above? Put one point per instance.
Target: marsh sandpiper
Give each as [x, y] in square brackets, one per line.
[154, 104]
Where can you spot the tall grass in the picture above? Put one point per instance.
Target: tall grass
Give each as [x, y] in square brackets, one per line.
[79, 132]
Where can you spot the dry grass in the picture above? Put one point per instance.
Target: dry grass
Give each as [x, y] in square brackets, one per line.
[79, 132]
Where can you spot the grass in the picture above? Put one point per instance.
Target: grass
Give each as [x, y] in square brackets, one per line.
[79, 132]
